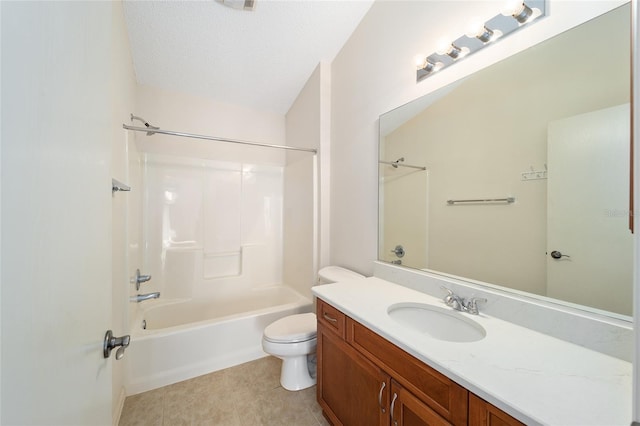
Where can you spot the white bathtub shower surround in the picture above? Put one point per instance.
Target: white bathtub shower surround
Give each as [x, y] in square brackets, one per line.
[206, 220]
[188, 338]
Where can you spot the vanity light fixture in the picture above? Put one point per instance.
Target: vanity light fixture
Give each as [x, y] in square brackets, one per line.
[514, 15]
[480, 31]
[454, 52]
[519, 11]
[430, 67]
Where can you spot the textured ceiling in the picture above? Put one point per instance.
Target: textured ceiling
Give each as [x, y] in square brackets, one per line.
[259, 59]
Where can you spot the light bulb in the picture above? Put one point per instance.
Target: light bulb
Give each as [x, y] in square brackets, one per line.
[420, 60]
[519, 10]
[475, 28]
[443, 47]
[511, 7]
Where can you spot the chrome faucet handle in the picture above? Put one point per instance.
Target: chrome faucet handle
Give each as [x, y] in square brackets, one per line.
[139, 279]
[453, 300]
[472, 305]
[449, 298]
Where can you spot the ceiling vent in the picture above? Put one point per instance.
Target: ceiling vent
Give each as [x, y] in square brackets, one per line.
[239, 4]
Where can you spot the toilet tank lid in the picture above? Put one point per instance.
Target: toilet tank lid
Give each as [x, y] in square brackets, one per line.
[336, 273]
[292, 329]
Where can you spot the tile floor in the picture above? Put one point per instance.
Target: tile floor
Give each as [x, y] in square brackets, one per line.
[246, 395]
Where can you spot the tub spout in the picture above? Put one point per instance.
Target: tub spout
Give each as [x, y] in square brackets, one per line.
[142, 297]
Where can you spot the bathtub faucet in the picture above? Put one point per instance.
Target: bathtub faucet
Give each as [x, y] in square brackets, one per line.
[142, 297]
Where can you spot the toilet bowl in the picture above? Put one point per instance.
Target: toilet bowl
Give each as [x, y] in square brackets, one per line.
[293, 338]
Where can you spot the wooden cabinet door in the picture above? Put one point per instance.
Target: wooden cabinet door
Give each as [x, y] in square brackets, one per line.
[443, 395]
[351, 390]
[481, 413]
[407, 410]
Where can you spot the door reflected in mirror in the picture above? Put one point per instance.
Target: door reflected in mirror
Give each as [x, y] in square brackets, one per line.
[549, 130]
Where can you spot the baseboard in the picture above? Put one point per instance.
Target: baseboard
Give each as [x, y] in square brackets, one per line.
[118, 406]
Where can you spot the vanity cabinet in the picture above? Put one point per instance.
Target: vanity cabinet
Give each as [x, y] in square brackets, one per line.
[363, 379]
[351, 389]
[407, 410]
[481, 413]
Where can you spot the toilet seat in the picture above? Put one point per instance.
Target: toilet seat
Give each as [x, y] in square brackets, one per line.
[292, 329]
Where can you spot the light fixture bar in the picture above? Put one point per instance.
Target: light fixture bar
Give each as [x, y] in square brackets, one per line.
[516, 15]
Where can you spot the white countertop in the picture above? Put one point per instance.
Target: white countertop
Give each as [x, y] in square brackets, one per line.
[534, 377]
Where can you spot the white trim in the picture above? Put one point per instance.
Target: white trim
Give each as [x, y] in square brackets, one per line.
[635, 47]
[118, 406]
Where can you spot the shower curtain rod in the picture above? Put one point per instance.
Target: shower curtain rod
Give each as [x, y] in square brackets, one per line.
[151, 131]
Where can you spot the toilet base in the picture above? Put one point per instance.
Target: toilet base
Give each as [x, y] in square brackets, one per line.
[294, 374]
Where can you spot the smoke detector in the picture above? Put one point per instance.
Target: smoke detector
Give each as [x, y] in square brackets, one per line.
[239, 4]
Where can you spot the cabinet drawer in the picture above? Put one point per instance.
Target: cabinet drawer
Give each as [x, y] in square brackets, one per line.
[331, 318]
[444, 396]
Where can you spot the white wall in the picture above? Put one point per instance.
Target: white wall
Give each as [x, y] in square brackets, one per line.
[124, 157]
[306, 126]
[636, 181]
[192, 114]
[56, 264]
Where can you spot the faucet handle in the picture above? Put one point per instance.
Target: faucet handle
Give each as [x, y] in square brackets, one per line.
[139, 279]
[472, 305]
[449, 298]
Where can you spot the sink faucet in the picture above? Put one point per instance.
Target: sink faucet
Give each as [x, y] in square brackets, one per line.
[459, 304]
[142, 297]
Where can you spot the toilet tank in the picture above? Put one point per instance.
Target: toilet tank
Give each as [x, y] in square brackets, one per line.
[332, 274]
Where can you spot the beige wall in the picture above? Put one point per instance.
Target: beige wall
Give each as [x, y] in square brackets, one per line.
[476, 142]
[375, 72]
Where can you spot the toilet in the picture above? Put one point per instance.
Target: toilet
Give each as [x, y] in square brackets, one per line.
[293, 338]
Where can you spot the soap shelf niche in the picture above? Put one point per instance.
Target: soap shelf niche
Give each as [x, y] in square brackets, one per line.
[117, 186]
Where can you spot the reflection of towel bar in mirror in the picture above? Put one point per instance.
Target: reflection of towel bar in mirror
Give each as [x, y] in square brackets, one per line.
[396, 164]
[507, 200]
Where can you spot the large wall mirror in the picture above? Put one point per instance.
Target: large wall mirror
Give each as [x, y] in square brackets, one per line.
[521, 176]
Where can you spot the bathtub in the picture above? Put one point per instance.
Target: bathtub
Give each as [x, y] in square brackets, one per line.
[188, 338]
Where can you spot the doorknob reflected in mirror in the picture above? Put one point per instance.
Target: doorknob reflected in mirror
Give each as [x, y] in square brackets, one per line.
[557, 255]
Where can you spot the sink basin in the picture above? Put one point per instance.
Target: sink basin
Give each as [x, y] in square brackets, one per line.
[439, 323]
